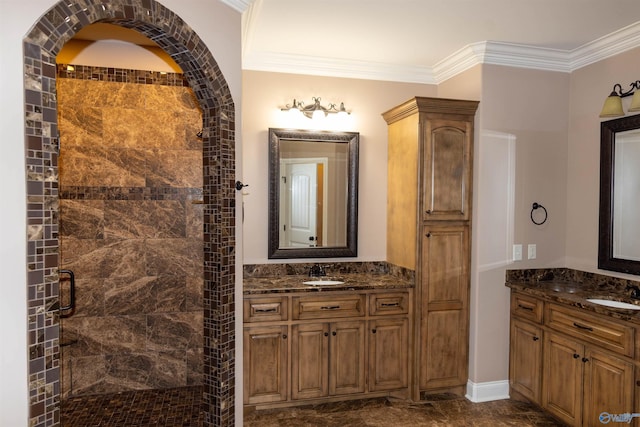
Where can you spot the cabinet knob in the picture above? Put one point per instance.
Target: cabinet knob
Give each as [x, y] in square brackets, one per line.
[536, 338]
[284, 336]
[585, 360]
[373, 331]
[428, 234]
[326, 334]
[334, 333]
[638, 383]
[576, 355]
[429, 211]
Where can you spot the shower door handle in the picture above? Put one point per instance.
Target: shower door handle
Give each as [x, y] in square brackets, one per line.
[72, 293]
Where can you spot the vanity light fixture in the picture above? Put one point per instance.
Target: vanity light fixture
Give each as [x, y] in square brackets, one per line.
[613, 104]
[316, 110]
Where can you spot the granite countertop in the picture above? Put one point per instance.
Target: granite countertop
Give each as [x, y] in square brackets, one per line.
[575, 290]
[294, 283]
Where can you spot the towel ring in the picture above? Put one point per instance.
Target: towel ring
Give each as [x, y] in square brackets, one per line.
[536, 206]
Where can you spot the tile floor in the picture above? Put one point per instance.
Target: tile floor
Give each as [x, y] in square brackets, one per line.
[181, 408]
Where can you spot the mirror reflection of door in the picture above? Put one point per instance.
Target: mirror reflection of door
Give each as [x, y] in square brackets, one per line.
[303, 197]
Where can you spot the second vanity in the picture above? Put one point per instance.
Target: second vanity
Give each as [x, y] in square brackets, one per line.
[577, 359]
[312, 343]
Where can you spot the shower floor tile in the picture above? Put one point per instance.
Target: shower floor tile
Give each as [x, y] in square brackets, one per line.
[181, 407]
[176, 407]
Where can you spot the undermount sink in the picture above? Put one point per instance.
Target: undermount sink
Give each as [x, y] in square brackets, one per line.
[614, 304]
[321, 282]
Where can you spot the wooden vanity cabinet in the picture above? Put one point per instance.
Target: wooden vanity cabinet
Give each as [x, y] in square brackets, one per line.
[430, 169]
[341, 345]
[586, 365]
[265, 364]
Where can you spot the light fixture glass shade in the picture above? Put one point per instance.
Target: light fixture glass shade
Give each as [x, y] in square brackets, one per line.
[635, 101]
[612, 106]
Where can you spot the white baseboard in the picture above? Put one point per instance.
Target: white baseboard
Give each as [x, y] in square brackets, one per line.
[485, 392]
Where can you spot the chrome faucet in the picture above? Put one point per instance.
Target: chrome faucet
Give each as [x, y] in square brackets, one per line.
[318, 270]
[635, 291]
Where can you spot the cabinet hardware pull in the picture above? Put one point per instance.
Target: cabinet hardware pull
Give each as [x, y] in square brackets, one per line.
[586, 328]
[524, 307]
[429, 211]
[576, 355]
[638, 383]
[389, 304]
[266, 310]
[284, 336]
[536, 338]
[326, 334]
[373, 331]
[585, 360]
[428, 234]
[334, 333]
[329, 307]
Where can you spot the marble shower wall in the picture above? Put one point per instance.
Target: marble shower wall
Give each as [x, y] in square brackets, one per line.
[131, 228]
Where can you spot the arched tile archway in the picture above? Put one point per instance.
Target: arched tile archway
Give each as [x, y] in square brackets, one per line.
[41, 45]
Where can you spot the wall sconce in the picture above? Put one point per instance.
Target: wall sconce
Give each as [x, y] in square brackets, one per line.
[613, 104]
[316, 110]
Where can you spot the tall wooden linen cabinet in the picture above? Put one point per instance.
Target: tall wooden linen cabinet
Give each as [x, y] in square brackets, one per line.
[430, 170]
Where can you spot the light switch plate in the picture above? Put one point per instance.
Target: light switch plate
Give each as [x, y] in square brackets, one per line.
[517, 252]
[532, 251]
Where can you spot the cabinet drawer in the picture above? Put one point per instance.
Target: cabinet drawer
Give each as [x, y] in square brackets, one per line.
[265, 309]
[389, 303]
[527, 307]
[591, 328]
[328, 307]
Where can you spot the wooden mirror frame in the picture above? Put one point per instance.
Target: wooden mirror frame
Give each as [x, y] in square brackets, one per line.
[608, 130]
[350, 138]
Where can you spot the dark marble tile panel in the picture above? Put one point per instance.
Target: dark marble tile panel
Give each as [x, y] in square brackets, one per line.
[169, 368]
[169, 292]
[79, 125]
[174, 256]
[90, 297]
[79, 255]
[123, 167]
[133, 128]
[88, 375]
[173, 331]
[82, 219]
[130, 219]
[194, 289]
[174, 168]
[128, 296]
[121, 334]
[129, 371]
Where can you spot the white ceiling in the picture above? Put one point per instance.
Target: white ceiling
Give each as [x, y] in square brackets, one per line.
[430, 40]
[422, 41]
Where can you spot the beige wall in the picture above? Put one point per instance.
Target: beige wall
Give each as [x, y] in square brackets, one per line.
[218, 26]
[589, 87]
[264, 93]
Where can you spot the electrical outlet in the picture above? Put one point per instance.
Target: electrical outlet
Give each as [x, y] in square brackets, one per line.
[517, 252]
[531, 251]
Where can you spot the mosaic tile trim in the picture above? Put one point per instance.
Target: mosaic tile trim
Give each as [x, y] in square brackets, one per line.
[173, 35]
[107, 74]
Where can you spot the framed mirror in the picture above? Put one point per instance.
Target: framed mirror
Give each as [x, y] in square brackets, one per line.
[619, 236]
[313, 194]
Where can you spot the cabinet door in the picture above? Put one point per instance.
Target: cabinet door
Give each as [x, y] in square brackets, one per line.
[309, 360]
[444, 313]
[388, 354]
[608, 387]
[347, 358]
[265, 364]
[525, 361]
[447, 169]
[562, 378]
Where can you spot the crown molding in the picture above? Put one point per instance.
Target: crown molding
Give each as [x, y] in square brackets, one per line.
[332, 67]
[239, 5]
[620, 41]
[486, 52]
